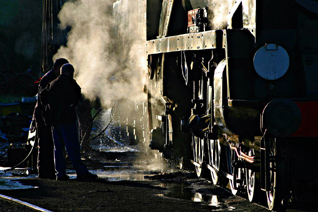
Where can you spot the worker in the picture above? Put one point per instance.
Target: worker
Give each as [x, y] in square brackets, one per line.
[45, 163]
[64, 95]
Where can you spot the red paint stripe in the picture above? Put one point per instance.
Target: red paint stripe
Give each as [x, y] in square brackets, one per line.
[309, 120]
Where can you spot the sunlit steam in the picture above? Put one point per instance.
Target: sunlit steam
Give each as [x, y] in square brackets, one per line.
[218, 13]
[108, 53]
[104, 68]
[106, 45]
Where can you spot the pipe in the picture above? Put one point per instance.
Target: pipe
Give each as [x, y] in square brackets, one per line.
[243, 156]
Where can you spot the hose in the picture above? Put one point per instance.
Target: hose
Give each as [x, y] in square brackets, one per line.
[81, 142]
[15, 166]
[28, 155]
[99, 134]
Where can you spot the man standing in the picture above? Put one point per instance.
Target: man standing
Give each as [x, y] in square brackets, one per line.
[46, 168]
[64, 95]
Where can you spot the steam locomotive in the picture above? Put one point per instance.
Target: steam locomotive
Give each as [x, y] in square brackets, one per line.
[231, 87]
[237, 97]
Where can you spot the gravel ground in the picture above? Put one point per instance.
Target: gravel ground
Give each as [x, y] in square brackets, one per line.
[149, 191]
[10, 206]
[177, 191]
[142, 190]
[99, 195]
[102, 195]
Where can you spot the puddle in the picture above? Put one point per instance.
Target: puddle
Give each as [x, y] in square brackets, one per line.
[13, 184]
[110, 149]
[123, 174]
[182, 191]
[9, 181]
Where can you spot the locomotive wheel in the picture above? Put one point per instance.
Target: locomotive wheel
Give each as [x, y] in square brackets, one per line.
[198, 154]
[252, 181]
[236, 181]
[276, 193]
[214, 154]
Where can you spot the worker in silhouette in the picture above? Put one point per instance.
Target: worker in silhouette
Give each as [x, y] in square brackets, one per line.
[45, 163]
[64, 95]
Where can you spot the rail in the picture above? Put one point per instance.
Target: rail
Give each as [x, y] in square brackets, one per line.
[35, 207]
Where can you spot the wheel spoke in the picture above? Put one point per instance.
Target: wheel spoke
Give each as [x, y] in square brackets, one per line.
[252, 181]
[198, 154]
[275, 195]
[214, 152]
[237, 182]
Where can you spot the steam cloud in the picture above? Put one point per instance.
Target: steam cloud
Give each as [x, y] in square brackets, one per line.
[108, 53]
[219, 11]
[103, 68]
[107, 69]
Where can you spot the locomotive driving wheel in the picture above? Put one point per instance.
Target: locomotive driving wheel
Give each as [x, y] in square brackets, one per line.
[237, 173]
[198, 154]
[276, 192]
[252, 180]
[214, 154]
[234, 172]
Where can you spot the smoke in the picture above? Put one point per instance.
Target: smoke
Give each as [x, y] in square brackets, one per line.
[104, 67]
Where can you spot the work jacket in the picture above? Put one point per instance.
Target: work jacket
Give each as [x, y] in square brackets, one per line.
[63, 96]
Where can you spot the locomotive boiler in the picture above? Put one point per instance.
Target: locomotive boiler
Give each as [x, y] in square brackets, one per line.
[232, 87]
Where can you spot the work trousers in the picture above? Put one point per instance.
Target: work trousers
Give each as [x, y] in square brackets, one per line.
[45, 163]
[66, 135]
